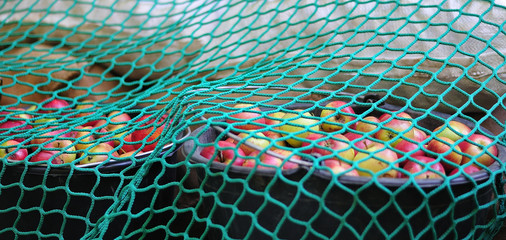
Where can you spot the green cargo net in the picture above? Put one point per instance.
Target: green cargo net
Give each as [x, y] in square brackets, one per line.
[252, 119]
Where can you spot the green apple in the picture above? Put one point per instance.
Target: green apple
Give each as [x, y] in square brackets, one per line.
[258, 139]
[99, 153]
[298, 126]
[376, 158]
[454, 130]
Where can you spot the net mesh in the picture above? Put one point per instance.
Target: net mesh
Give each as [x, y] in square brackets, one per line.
[121, 119]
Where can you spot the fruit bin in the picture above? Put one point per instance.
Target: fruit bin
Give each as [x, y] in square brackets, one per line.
[428, 57]
[71, 200]
[311, 202]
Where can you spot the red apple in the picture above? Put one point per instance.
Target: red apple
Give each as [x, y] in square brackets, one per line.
[249, 117]
[15, 127]
[275, 136]
[453, 130]
[338, 144]
[46, 156]
[337, 166]
[367, 124]
[468, 169]
[117, 120]
[386, 116]
[100, 123]
[149, 135]
[376, 159]
[251, 162]
[128, 144]
[432, 168]
[336, 116]
[14, 148]
[410, 148]
[269, 161]
[419, 135]
[448, 149]
[54, 105]
[129, 154]
[104, 134]
[480, 147]
[359, 141]
[226, 152]
[311, 139]
[63, 149]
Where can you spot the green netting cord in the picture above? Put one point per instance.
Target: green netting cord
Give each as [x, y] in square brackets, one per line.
[183, 66]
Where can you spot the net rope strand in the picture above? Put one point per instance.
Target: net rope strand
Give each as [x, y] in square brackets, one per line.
[186, 64]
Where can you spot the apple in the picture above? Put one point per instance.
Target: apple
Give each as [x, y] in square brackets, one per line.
[359, 141]
[258, 139]
[389, 131]
[311, 138]
[336, 115]
[444, 147]
[53, 105]
[432, 168]
[99, 123]
[84, 137]
[13, 147]
[46, 156]
[419, 135]
[338, 144]
[226, 152]
[275, 136]
[149, 135]
[21, 116]
[16, 127]
[99, 153]
[480, 147]
[117, 120]
[376, 158]
[128, 144]
[453, 130]
[467, 169]
[297, 126]
[249, 117]
[104, 134]
[336, 166]
[270, 161]
[63, 149]
[44, 121]
[367, 124]
[410, 148]
[386, 116]
[129, 154]
[52, 134]
[251, 162]
[274, 119]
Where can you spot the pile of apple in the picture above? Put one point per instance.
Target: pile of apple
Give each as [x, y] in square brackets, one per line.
[28, 135]
[382, 146]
